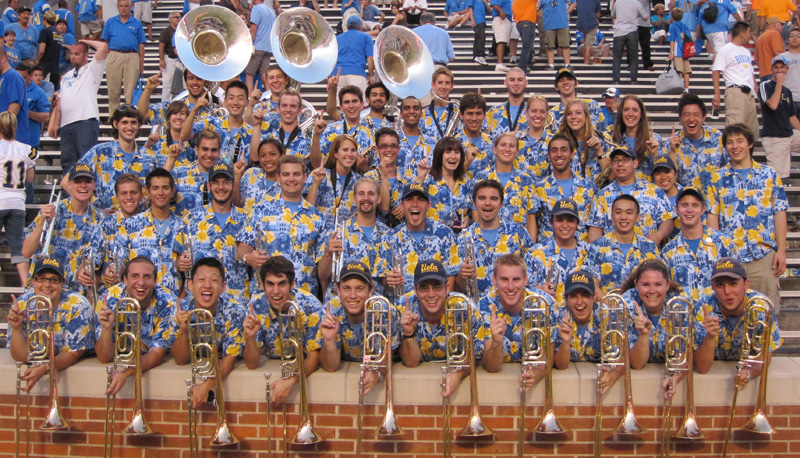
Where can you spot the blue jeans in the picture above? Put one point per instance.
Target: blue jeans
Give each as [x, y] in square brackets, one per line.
[631, 43]
[76, 139]
[14, 223]
[527, 30]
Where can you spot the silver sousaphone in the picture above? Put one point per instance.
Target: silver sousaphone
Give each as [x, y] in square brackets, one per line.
[304, 45]
[213, 43]
[403, 62]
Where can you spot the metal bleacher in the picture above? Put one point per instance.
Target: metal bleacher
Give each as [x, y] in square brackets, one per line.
[471, 77]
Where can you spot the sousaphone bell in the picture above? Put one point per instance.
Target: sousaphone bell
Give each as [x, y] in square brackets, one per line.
[403, 62]
[304, 45]
[213, 43]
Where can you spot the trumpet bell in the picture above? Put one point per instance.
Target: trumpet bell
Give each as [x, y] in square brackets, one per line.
[138, 425]
[305, 435]
[54, 420]
[213, 43]
[403, 62]
[758, 424]
[549, 424]
[224, 436]
[690, 430]
[304, 45]
[475, 429]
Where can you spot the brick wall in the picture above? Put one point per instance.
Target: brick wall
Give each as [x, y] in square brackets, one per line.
[422, 427]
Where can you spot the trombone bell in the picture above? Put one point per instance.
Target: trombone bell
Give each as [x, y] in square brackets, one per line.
[138, 425]
[389, 425]
[224, 436]
[690, 430]
[305, 435]
[54, 420]
[475, 429]
[549, 424]
[758, 424]
[629, 425]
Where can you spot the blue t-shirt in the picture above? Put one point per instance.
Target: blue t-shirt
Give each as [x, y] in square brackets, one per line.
[222, 218]
[123, 36]
[569, 254]
[689, 8]
[743, 173]
[354, 49]
[418, 235]
[263, 18]
[504, 177]
[438, 42]
[554, 14]
[37, 101]
[293, 206]
[162, 226]
[371, 13]
[368, 231]
[66, 15]
[724, 9]
[673, 199]
[625, 189]
[504, 5]
[69, 40]
[479, 11]
[676, 29]
[87, 10]
[490, 235]
[9, 17]
[27, 44]
[13, 90]
[694, 244]
[13, 57]
[566, 185]
[587, 15]
[625, 247]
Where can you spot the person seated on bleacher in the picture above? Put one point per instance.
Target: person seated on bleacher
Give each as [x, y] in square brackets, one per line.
[511, 114]
[477, 143]
[284, 129]
[416, 143]
[73, 320]
[351, 103]
[170, 136]
[596, 51]
[233, 131]
[592, 145]
[567, 85]
[632, 130]
[259, 183]
[156, 112]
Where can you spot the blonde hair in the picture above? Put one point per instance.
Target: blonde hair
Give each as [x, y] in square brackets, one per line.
[8, 125]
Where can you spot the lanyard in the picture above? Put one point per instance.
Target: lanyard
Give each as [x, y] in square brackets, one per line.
[335, 181]
[436, 118]
[292, 136]
[512, 125]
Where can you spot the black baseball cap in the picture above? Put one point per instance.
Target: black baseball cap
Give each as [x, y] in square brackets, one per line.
[580, 279]
[689, 191]
[24, 8]
[565, 207]
[566, 71]
[415, 188]
[663, 161]
[618, 151]
[48, 263]
[728, 267]
[430, 269]
[220, 168]
[356, 269]
[81, 170]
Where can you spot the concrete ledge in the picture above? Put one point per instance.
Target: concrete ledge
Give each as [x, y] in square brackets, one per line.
[574, 386]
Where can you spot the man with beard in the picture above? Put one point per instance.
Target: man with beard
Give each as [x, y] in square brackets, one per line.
[361, 237]
[158, 325]
[351, 103]
[416, 143]
[343, 329]
[562, 183]
[696, 148]
[156, 113]
[192, 180]
[288, 226]
[284, 128]
[419, 238]
[152, 233]
[510, 115]
[492, 237]
[233, 131]
[261, 327]
[567, 85]
[206, 290]
[75, 111]
[210, 232]
[477, 143]
[619, 251]
[110, 160]
[422, 322]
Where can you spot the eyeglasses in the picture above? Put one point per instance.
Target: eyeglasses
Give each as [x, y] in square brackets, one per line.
[388, 146]
[621, 160]
[51, 280]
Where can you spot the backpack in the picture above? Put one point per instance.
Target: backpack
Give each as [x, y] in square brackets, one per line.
[689, 48]
[710, 13]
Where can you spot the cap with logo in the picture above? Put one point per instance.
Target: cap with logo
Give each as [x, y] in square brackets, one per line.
[728, 267]
[780, 59]
[625, 151]
[689, 191]
[565, 72]
[430, 269]
[414, 188]
[47, 263]
[565, 207]
[611, 92]
[355, 269]
[580, 279]
[220, 168]
[662, 161]
[81, 170]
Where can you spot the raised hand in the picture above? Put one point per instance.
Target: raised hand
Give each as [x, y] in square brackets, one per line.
[409, 321]
[251, 324]
[565, 330]
[105, 316]
[641, 322]
[154, 81]
[711, 324]
[329, 327]
[15, 315]
[497, 327]
[674, 140]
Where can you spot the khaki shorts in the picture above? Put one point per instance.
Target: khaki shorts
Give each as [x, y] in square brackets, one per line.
[143, 11]
[259, 63]
[682, 65]
[557, 38]
[90, 27]
[502, 29]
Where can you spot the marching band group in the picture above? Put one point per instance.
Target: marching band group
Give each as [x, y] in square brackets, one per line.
[268, 212]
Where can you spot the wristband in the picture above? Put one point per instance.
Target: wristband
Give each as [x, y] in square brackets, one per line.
[413, 334]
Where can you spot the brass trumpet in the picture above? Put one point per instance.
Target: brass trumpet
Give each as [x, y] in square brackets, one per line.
[377, 357]
[128, 355]
[472, 282]
[614, 354]
[755, 352]
[291, 339]
[338, 257]
[679, 314]
[40, 318]
[51, 225]
[87, 263]
[205, 365]
[461, 355]
[399, 266]
[536, 355]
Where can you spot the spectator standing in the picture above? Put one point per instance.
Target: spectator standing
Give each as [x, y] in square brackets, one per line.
[775, 8]
[644, 36]
[67, 40]
[501, 27]
[716, 32]
[793, 59]
[50, 49]
[525, 12]
[587, 24]
[626, 35]
[768, 45]
[27, 40]
[478, 23]
[10, 14]
[13, 55]
[555, 20]
[13, 96]
[143, 11]
[90, 15]
[355, 57]
[38, 107]
[780, 134]
[76, 113]
[64, 13]
[262, 18]
[734, 62]
[752, 16]
[125, 37]
[167, 56]
[677, 32]
[37, 16]
[436, 39]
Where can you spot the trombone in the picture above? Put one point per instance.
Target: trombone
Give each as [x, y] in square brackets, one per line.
[40, 318]
[291, 339]
[88, 264]
[377, 357]
[338, 257]
[47, 236]
[679, 314]
[461, 355]
[614, 355]
[472, 282]
[537, 355]
[756, 345]
[205, 365]
[127, 355]
[450, 130]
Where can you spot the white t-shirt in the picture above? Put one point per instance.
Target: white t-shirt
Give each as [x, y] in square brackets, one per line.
[15, 160]
[79, 93]
[792, 81]
[736, 64]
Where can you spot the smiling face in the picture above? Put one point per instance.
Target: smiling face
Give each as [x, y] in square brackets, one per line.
[415, 207]
[353, 292]
[289, 109]
[129, 196]
[665, 178]
[140, 281]
[739, 148]
[83, 189]
[351, 106]
[291, 178]
[473, 120]
[127, 128]
[206, 286]
[506, 150]
[160, 192]
[564, 227]
[367, 198]
[566, 86]
[536, 112]
[690, 210]
[510, 283]
[576, 117]
[177, 119]
[221, 189]
[432, 295]
[624, 167]
[625, 215]
[631, 114]
[516, 82]
[346, 156]
[442, 86]
[195, 85]
[236, 101]
[49, 284]
[488, 204]
[207, 153]
[560, 154]
[451, 157]
[730, 294]
[652, 287]
[692, 119]
[268, 157]
[388, 148]
[580, 303]
[410, 111]
[278, 290]
[276, 81]
[376, 99]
